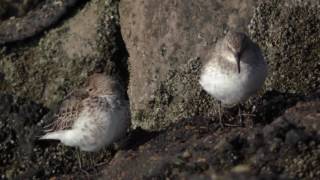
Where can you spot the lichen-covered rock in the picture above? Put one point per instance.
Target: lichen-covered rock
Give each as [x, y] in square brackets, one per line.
[167, 41]
[287, 148]
[47, 69]
[288, 33]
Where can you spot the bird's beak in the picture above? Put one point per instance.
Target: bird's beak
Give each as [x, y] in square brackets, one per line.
[81, 92]
[238, 62]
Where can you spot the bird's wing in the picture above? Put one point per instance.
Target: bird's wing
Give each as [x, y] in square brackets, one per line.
[66, 114]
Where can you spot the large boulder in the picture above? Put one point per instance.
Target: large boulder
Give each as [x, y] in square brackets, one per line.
[167, 41]
[47, 69]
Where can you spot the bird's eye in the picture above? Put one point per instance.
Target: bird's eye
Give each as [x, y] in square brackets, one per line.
[90, 89]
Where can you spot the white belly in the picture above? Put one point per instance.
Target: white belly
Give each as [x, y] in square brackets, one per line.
[234, 87]
[100, 129]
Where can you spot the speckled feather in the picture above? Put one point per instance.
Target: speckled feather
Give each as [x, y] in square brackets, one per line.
[66, 115]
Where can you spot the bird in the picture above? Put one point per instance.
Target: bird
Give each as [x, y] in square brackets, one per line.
[234, 70]
[92, 118]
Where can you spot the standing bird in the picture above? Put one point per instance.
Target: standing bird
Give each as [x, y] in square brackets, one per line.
[93, 121]
[235, 71]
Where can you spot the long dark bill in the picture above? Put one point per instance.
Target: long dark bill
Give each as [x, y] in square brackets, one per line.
[238, 62]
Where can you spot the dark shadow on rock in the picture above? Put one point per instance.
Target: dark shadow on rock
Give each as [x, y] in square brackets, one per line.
[138, 137]
[272, 104]
[18, 119]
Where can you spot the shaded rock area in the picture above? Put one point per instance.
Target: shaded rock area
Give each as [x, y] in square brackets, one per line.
[28, 19]
[16, 8]
[287, 148]
[18, 119]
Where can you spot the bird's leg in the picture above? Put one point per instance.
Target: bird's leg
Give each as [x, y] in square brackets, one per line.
[91, 159]
[240, 115]
[79, 158]
[80, 163]
[220, 116]
[233, 125]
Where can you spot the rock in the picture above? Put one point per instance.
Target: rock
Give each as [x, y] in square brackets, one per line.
[199, 149]
[16, 8]
[306, 115]
[288, 33]
[18, 127]
[167, 42]
[25, 23]
[48, 69]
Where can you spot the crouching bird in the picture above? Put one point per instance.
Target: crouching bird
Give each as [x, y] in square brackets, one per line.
[95, 119]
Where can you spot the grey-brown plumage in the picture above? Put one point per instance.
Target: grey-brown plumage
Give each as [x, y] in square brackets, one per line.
[93, 117]
[235, 70]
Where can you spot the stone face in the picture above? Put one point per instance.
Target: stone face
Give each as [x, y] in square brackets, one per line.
[288, 33]
[48, 69]
[167, 41]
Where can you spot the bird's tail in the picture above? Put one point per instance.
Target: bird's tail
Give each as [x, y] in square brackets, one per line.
[67, 137]
[57, 135]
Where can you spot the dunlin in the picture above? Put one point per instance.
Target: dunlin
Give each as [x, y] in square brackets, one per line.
[235, 70]
[93, 121]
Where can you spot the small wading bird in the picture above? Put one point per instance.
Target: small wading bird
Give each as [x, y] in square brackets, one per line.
[95, 121]
[235, 71]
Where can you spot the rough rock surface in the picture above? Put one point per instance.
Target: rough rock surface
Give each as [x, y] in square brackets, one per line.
[167, 41]
[17, 8]
[27, 22]
[287, 148]
[288, 33]
[48, 69]
[18, 119]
